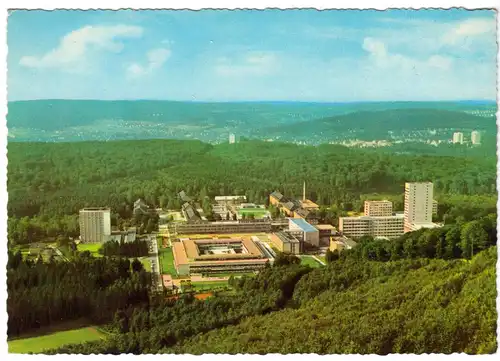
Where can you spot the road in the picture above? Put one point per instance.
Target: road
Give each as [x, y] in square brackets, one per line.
[320, 261]
[155, 263]
[59, 253]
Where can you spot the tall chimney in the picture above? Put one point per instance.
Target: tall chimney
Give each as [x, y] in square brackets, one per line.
[304, 193]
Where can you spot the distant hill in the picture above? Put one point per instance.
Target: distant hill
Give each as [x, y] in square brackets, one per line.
[76, 120]
[384, 123]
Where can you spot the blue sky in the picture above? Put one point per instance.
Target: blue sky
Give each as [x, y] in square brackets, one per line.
[301, 55]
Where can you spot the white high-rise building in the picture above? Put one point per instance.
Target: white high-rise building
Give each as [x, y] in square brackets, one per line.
[232, 138]
[458, 138]
[95, 225]
[475, 137]
[418, 206]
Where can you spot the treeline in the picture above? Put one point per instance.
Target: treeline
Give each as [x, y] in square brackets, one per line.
[150, 329]
[461, 240]
[138, 248]
[47, 293]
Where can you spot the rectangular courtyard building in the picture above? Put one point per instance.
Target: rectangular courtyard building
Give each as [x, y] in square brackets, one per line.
[218, 255]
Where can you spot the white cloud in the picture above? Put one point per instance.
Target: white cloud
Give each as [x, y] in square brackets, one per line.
[156, 58]
[382, 58]
[470, 28]
[73, 49]
[252, 63]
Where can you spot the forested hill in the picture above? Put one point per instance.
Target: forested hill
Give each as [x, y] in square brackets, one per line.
[313, 123]
[350, 306]
[388, 123]
[417, 306]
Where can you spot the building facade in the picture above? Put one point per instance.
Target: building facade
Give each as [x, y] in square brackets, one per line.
[378, 208]
[95, 225]
[232, 138]
[223, 227]
[286, 242]
[385, 227]
[458, 138]
[310, 234]
[418, 204]
[475, 137]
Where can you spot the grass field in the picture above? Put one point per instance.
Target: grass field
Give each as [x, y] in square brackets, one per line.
[91, 247]
[257, 212]
[323, 258]
[146, 262]
[167, 261]
[57, 339]
[308, 260]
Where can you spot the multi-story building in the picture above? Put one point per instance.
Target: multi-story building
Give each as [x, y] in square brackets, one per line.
[458, 138]
[275, 198]
[95, 225]
[384, 226]
[418, 205]
[434, 207]
[232, 138]
[475, 137]
[308, 233]
[378, 208]
[286, 242]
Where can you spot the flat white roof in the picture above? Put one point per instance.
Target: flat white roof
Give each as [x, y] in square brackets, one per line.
[225, 198]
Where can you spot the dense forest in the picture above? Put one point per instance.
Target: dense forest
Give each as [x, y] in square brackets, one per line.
[417, 305]
[49, 182]
[46, 293]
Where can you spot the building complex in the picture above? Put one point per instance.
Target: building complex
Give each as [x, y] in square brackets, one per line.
[380, 221]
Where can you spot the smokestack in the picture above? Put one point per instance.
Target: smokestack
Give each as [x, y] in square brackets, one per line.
[304, 193]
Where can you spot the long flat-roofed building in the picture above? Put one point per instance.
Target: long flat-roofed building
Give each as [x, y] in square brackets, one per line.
[386, 227]
[230, 200]
[95, 225]
[223, 227]
[215, 255]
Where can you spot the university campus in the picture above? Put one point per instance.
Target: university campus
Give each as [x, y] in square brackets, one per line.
[252, 182]
[188, 249]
